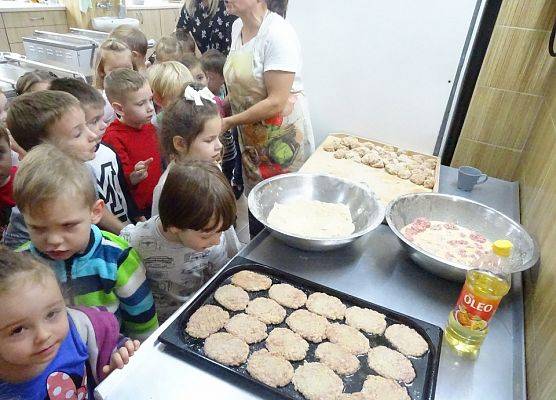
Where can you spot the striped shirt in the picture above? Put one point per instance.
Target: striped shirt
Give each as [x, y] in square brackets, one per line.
[109, 273]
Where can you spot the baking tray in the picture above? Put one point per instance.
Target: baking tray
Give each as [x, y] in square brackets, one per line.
[191, 349]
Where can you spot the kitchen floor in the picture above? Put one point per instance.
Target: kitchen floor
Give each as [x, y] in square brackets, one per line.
[242, 222]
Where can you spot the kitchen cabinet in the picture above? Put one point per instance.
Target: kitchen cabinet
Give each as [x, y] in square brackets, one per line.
[149, 22]
[4, 44]
[169, 19]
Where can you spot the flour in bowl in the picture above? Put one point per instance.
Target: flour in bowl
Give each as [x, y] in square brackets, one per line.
[312, 218]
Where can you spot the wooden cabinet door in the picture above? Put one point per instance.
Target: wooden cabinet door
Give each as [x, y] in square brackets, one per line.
[169, 19]
[149, 22]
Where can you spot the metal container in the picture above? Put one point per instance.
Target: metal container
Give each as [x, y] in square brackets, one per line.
[467, 213]
[366, 211]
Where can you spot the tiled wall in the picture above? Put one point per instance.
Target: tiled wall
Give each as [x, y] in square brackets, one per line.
[510, 132]
[510, 89]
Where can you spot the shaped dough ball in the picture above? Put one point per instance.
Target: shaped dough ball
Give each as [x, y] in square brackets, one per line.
[369, 159]
[331, 145]
[362, 151]
[378, 164]
[353, 156]
[340, 153]
[430, 163]
[429, 183]
[418, 177]
[404, 173]
[350, 142]
[369, 145]
[391, 168]
[418, 158]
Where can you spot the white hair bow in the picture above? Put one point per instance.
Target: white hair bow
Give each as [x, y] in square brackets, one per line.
[196, 95]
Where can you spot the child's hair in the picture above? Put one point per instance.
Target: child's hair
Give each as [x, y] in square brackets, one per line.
[85, 93]
[119, 83]
[28, 79]
[45, 173]
[184, 118]
[4, 134]
[168, 79]
[133, 37]
[110, 44]
[197, 196]
[191, 61]
[168, 48]
[212, 60]
[13, 264]
[30, 115]
[185, 39]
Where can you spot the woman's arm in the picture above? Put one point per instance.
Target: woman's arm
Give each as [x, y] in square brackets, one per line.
[278, 85]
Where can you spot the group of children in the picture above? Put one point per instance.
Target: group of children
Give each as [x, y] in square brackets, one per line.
[119, 210]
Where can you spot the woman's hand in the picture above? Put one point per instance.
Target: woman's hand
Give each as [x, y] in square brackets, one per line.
[227, 124]
[121, 356]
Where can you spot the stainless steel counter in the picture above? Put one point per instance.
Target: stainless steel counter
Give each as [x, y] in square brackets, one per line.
[376, 269]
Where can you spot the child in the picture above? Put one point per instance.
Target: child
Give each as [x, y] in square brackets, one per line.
[168, 48]
[33, 81]
[189, 132]
[111, 55]
[194, 66]
[111, 183]
[48, 351]
[57, 199]
[16, 151]
[187, 42]
[184, 246]
[136, 40]
[7, 173]
[212, 62]
[133, 137]
[167, 80]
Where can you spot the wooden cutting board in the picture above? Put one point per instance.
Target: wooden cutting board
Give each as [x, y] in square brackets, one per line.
[387, 187]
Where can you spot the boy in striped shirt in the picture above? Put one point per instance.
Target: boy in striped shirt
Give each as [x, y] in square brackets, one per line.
[56, 196]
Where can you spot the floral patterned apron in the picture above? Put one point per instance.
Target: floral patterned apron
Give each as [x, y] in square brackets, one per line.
[277, 145]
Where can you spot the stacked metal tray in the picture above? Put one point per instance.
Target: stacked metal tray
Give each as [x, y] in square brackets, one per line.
[426, 367]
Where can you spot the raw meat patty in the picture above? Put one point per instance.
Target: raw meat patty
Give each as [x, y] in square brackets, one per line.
[317, 381]
[379, 388]
[406, 340]
[206, 320]
[270, 368]
[231, 297]
[391, 364]
[287, 295]
[337, 358]
[246, 327]
[287, 343]
[310, 326]
[251, 281]
[325, 305]
[267, 310]
[226, 348]
[348, 337]
[366, 320]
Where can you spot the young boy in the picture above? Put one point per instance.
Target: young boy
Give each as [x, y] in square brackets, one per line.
[136, 41]
[95, 268]
[54, 117]
[184, 246]
[212, 62]
[194, 66]
[7, 173]
[133, 137]
[109, 174]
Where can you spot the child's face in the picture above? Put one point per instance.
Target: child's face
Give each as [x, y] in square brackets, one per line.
[94, 116]
[199, 75]
[138, 108]
[113, 60]
[207, 146]
[5, 160]
[61, 228]
[215, 82]
[33, 325]
[197, 240]
[71, 133]
[3, 107]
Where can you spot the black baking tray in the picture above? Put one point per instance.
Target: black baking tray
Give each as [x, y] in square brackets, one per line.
[191, 349]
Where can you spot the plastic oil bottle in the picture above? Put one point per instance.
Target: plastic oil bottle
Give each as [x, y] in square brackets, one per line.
[486, 283]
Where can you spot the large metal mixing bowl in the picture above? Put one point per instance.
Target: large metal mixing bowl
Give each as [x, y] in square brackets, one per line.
[467, 213]
[366, 212]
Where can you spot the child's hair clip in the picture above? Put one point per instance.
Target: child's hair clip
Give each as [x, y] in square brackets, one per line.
[196, 95]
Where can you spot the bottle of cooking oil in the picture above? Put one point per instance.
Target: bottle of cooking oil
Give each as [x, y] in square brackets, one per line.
[485, 285]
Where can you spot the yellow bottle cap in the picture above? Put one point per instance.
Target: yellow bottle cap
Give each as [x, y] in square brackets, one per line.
[502, 248]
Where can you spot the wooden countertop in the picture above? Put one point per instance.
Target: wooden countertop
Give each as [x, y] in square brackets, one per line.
[17, 6]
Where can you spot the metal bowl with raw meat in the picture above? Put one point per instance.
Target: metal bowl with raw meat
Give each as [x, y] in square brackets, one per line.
[366, 211]
[465, 213]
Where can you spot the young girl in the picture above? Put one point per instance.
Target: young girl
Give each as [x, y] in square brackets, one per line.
[48, 351]
[33, 81]
[190, 239]
[190, 131]
[111, 55]
[168, 48]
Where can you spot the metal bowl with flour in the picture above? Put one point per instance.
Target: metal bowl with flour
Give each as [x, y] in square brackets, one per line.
[366, 212]
[467, 213]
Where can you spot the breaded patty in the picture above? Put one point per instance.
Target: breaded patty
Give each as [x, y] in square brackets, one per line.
[406, 340]
[287, 295]
[309, 325]
[391, 364]
[246, 327]
[226, 348]
[287, 343]
[366, 320]
[266, 310]
[206, 321]
[231, 297]
[379, 388]
[270, 368]
[337, 358]
[251, 281]
[328, 306]
[317, 381]
[348, 337]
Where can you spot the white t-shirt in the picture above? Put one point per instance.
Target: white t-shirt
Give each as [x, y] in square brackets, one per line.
[275, 48]
[174, 271]
[109, 113]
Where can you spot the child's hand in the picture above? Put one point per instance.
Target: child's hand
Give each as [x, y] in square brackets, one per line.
[121, 356]
[140, 171]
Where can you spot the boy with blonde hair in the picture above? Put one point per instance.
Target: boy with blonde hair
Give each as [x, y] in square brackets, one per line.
[168, 48]
[95, 268]
[133, 137]
[136, 41]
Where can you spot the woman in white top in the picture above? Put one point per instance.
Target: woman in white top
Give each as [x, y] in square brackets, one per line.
[263, 75]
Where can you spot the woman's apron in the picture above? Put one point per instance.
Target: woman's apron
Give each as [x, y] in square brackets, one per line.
[277, 145]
